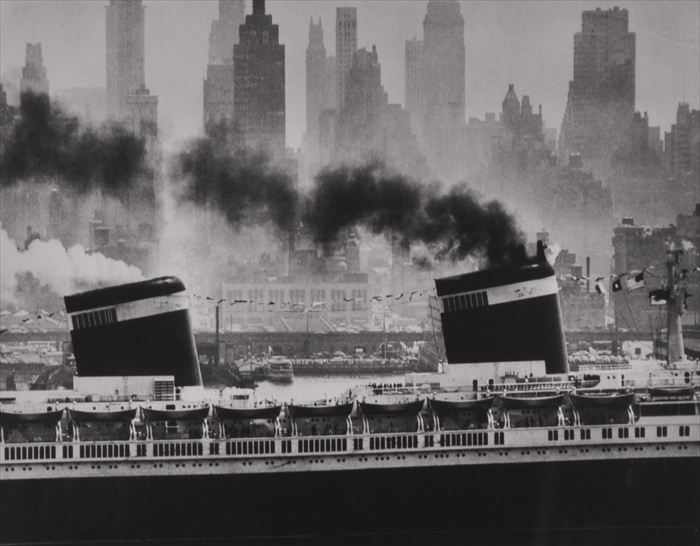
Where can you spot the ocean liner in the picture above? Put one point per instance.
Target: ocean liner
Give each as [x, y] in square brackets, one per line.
[139, 450]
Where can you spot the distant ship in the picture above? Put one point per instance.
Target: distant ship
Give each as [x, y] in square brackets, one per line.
[280, 369]
[139, 450]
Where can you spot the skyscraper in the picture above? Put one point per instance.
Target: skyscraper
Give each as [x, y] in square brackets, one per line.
[219, 82]
[142, 117]
[414, 81]
[224, 31]
[682, 147]
[125, 54]
[259, 79]
[345, 47]
[444, 64]
[315, 78]
[435, 87]
[321, 89]
[600, 103]
[369, 127]
[34, 72]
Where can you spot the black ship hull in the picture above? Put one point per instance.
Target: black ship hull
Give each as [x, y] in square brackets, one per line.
[616, 502]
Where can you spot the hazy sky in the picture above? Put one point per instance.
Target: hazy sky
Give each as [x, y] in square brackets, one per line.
[528, 43]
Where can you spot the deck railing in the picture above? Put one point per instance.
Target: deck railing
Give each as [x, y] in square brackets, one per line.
[658, 433]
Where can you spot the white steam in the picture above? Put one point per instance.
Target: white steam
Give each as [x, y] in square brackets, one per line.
[63, 271]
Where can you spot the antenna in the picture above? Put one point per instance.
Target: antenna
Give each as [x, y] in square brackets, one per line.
[675, 301]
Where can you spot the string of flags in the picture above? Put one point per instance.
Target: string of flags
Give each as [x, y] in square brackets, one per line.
[633, 280]
[407, 296]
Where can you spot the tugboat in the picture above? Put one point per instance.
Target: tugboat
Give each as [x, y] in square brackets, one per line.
[280, 369]
[140, 451]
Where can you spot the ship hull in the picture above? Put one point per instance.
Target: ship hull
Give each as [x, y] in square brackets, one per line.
[620, 501]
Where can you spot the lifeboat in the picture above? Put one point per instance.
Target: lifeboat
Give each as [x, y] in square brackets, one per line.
[185, 414]
[19, 418]
[443, 407]
[328, 410]
[104, 416]
[617, 400]
[532, 402]
[677, 393]
[237, 414]
[409, 408]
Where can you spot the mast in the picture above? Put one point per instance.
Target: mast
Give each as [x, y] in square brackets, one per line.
[674, 308]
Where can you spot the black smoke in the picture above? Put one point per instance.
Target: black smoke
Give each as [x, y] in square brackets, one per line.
[45, 143]
[452, 224]
[242, 184]
[248, 189]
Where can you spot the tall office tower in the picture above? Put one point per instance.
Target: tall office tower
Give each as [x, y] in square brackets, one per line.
[600, 104]
[414, 82]
[682, 143]
[444, 64]
[259, 80]
[224, 31]
[142, 117]
[316, 82]
[34, 72]
[365, 102]
[435, 88]
[125, 54]
[345, 47]
[219, 82]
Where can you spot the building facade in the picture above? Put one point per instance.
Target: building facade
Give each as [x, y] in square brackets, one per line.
[34, 79]
[259, 83]
[601, 95]
[414, 82]
[369, 127]
[321, 94]
[316, 66]
[125, 25]
[218, 90]
[142, 114]
[345, 48]
[298, 303]
[682, 143]
[435, 88]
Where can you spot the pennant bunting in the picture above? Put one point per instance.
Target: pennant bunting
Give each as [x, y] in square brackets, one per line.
[635, 282]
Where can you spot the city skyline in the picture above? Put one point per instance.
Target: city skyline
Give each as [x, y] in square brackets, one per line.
[668, 69]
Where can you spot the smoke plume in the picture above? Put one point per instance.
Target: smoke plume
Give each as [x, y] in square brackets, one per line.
[46, 142]
[62, 270]
[241, 184]
[452, 224]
